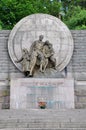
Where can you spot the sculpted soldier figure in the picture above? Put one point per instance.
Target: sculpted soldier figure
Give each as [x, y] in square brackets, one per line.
[48, 52]
[41, 53]
[37, 46]
[36, 53]
[25, 61]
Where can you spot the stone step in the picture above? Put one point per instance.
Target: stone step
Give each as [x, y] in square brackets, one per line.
[45, 129]
[42, 113]
[42, 125]
[43, 119]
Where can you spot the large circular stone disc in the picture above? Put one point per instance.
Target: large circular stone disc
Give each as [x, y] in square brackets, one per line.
[27, 30]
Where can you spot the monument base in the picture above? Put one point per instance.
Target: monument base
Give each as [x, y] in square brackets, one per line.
[25, 93]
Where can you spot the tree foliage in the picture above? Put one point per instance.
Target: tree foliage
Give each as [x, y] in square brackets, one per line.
[11, 11]
[76, 18]
[72, 12]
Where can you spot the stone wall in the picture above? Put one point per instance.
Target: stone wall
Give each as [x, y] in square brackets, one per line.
[79, 67]
[6, 70]
[76, 68]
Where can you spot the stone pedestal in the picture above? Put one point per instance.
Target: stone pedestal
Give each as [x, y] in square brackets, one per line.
[58, 93]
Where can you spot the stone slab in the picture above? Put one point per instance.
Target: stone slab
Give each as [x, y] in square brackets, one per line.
[26, 92]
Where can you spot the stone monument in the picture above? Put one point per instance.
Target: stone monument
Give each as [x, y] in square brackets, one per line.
[41, 46]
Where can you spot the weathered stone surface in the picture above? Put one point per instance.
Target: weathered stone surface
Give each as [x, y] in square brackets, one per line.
[58, 93]
[80, 92]
[80, 76]
[82, 99]
[80, 105]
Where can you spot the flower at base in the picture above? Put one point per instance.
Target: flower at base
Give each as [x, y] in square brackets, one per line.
[42, 104]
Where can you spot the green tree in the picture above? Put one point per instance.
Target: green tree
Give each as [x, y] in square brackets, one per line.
[0, 25]
[11, 11]
[70, 4]
[76, 18]
[72, 12]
